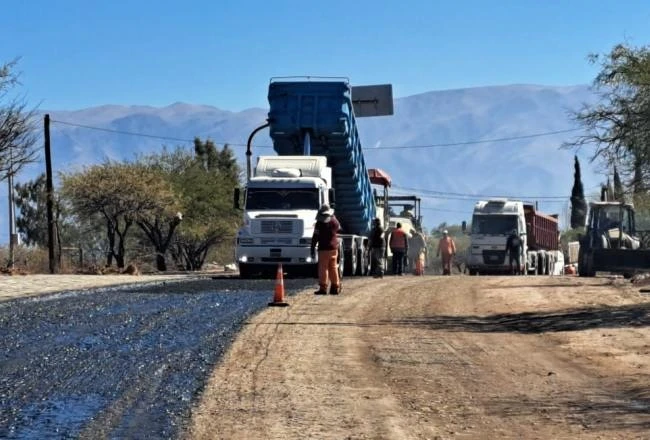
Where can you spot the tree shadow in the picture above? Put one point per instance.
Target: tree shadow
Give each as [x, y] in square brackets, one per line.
[613, 408]
[636, 315]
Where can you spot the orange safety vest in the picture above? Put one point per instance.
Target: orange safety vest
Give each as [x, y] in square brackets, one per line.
[447, 246]
[398, 239]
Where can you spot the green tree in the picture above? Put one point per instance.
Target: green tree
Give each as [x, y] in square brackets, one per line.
[159, 225]
[619, 123]
[31, 201]
[578, 202]
[120, 194]
[17, 130]
[205, 189]
[31, 222]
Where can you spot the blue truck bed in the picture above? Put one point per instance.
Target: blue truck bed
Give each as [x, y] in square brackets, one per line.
[324, 109]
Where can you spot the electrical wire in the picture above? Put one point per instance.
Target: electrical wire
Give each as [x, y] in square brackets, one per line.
[131, 133]
[427, 208]
[482, 141]
[463, 196]
[429, 193]
[393, 147]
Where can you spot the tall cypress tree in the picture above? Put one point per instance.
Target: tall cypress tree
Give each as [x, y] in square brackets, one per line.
[619, 192]
[578, 203]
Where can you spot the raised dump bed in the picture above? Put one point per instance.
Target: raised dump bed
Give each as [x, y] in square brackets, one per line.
[323, 110]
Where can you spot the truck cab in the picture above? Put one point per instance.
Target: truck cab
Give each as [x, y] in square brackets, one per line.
[492, 222]
[280, 205]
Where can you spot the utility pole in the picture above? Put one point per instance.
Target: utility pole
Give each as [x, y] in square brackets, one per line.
[12, 214]
[50, 195]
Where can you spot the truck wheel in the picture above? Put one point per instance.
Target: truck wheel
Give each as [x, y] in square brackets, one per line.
[341, 262]
[585, 265]
[363, 263]
[473, 272]
[245, 271]
[541, 263]
[350, 266]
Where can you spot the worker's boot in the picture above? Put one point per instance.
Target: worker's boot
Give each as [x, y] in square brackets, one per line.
[321, 291]
[335, 290]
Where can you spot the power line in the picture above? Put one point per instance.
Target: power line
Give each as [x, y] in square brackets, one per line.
[483, 141]
[426, 208]
[393, 147]
[433, 197]
[465, 196]
[131, 133]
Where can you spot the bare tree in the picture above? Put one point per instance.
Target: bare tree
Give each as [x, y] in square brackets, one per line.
[17, 126]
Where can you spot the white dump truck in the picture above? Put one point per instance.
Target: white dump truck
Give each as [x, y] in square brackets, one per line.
[494, 220]
[312, 124]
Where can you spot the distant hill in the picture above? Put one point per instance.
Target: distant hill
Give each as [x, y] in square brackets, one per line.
[526, 167]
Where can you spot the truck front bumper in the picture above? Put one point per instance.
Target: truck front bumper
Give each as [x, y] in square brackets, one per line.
[271, 256]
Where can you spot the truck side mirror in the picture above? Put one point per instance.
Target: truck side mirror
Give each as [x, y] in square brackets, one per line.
[332, 197]
[235, 199]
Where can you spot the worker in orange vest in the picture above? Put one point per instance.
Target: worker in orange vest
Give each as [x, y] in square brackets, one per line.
[447, 248]
[326, 237]
[399, 246]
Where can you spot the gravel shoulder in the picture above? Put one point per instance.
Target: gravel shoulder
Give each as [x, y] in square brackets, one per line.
[20, 286]
[439, 358]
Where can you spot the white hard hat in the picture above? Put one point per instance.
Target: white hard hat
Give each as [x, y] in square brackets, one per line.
[445, 232]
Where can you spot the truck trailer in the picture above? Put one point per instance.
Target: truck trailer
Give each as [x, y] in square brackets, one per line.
[319, 160]
[494, 220]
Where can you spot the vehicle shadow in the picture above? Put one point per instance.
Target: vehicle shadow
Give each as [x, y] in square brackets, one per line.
[636, 315]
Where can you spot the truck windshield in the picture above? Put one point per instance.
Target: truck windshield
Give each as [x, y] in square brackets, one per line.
[494, 224]
[283, 199]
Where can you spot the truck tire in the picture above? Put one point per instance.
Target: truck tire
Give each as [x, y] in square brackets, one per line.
[245, 271]
[585, 265]
[541, 263]
[550, 264]
[363, 262]
[350, 266]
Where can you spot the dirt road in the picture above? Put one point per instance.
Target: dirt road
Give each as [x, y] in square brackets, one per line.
[439, 358]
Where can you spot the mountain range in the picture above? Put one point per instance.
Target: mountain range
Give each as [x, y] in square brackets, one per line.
[437, 144]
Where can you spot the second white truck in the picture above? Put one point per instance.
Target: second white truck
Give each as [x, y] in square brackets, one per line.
[494, 220]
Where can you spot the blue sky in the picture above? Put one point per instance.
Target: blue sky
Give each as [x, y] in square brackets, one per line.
[77, 54]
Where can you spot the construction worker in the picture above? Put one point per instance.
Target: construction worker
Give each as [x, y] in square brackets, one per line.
[513, 249]
[326, 237]
[377, 248]
[399, 246]
[417, 250]
[447, 248]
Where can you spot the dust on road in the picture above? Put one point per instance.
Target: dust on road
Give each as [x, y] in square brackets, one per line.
[439, 358]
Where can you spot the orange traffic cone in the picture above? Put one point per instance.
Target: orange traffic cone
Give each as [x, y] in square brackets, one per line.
[278, 296]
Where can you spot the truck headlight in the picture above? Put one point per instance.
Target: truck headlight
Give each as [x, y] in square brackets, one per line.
[245, 241]
[303, 241]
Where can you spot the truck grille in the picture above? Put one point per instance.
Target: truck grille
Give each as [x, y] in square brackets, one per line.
[277, 227]
[494, 257]
[271, 240]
